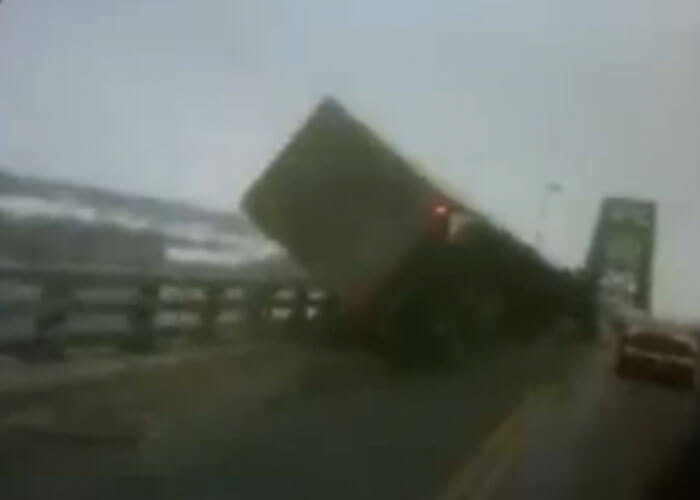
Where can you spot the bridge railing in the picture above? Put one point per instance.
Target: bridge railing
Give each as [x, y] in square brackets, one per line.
[52, 299]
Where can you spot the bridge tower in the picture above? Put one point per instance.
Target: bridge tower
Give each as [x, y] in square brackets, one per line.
[622, 251]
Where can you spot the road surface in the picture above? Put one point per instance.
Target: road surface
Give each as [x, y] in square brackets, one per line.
[543, 421]
[601, 437]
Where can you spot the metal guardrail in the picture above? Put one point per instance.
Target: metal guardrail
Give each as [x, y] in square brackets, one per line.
[59, 293]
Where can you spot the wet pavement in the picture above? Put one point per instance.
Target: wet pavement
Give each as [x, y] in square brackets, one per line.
[600, 437]
[541, 421]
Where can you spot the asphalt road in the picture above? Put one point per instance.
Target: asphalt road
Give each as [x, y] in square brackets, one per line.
[544, 421]
[404, 439]
[601, 437]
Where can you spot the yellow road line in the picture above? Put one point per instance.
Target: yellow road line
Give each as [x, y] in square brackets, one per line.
[475, 479]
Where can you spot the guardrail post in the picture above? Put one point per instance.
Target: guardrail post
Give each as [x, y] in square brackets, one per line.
[142, 336]
[327, 324]
[298, 316]
[256, 304]
[54, 305]
[326, 307]
[210, 313]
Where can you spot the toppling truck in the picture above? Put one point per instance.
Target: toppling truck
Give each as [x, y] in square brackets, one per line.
[418, 274]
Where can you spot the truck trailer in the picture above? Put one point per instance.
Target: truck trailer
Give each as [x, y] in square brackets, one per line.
[417, 272]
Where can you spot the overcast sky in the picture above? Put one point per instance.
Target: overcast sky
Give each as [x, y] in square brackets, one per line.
[191, 99]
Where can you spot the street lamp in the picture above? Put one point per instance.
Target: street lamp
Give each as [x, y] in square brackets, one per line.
[550, 190]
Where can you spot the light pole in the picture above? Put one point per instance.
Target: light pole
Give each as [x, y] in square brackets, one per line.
[550, 190]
